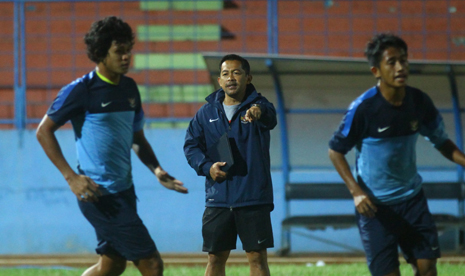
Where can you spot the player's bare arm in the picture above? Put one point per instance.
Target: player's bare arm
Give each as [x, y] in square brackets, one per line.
[84, 188]
[170, 182]
[450, 150]
[145, 153]
[362, 201]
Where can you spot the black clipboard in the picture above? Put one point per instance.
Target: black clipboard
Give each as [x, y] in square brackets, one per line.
[221, 152]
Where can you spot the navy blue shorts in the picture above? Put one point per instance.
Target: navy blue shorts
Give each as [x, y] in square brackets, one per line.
[408, 225]
[118, 227]
[222, 225]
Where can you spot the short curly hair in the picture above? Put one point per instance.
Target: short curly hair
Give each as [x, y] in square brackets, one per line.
[101, 35]
[380, 42]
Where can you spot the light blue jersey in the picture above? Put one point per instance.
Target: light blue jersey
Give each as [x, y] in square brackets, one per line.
[385, 137]
[104, 118]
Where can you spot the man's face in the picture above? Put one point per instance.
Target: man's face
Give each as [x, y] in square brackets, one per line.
[233, 79]
[393, 68]
[118, 58]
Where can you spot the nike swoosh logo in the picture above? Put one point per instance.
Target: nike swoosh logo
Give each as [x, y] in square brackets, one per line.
[261, 241]
[435, 248]
[383, 129]
[213, 120]
[105, 104]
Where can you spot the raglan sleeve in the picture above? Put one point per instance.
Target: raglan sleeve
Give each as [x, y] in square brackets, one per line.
[432, 127]
[69, 103]
[349, 132]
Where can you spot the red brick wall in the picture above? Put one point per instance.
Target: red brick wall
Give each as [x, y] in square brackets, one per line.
[56, 55]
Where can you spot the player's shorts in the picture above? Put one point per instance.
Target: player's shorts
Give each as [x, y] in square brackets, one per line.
[408, 224]
[118, 227]
[222, 225]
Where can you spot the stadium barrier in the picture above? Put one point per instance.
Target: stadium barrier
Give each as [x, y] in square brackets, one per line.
[339, 191]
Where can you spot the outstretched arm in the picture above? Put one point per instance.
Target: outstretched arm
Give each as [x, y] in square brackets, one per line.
[263, 112]
[145, 153]
[450, 150]
[362, 201]
[82, 186]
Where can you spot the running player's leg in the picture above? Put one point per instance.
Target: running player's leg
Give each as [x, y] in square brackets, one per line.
[419, 241]
[151, 265]
[121, 232]
[380, 241]
[424, 267]
[396, 272]
[107, 265]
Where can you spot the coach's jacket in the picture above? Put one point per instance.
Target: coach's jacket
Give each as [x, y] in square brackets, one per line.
[249, 179]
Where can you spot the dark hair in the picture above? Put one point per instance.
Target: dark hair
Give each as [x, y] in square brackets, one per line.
[101, 35]
[379, 43]
[245, 64]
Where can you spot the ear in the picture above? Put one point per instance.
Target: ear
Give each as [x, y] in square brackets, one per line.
[249, 79]
[218, 79]
[375, 71]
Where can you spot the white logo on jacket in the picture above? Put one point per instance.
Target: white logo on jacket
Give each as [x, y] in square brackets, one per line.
[383, 129]
[105, 104]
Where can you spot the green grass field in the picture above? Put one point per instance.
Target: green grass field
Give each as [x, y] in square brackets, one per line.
[276, 270]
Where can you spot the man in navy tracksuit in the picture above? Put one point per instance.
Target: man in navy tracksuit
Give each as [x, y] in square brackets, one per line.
[239, 201]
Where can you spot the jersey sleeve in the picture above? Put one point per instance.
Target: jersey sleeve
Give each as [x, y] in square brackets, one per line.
[432, 126]
[350, 130]
[69, 103]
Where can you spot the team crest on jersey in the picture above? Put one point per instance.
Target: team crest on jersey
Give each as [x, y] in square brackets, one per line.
[243, 120]
[132, 102]
[414, 125]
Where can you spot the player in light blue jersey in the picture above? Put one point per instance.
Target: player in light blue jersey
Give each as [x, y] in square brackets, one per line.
[383, 125]
[105, 109]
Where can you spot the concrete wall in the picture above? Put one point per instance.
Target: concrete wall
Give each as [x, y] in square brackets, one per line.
[39, 214]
